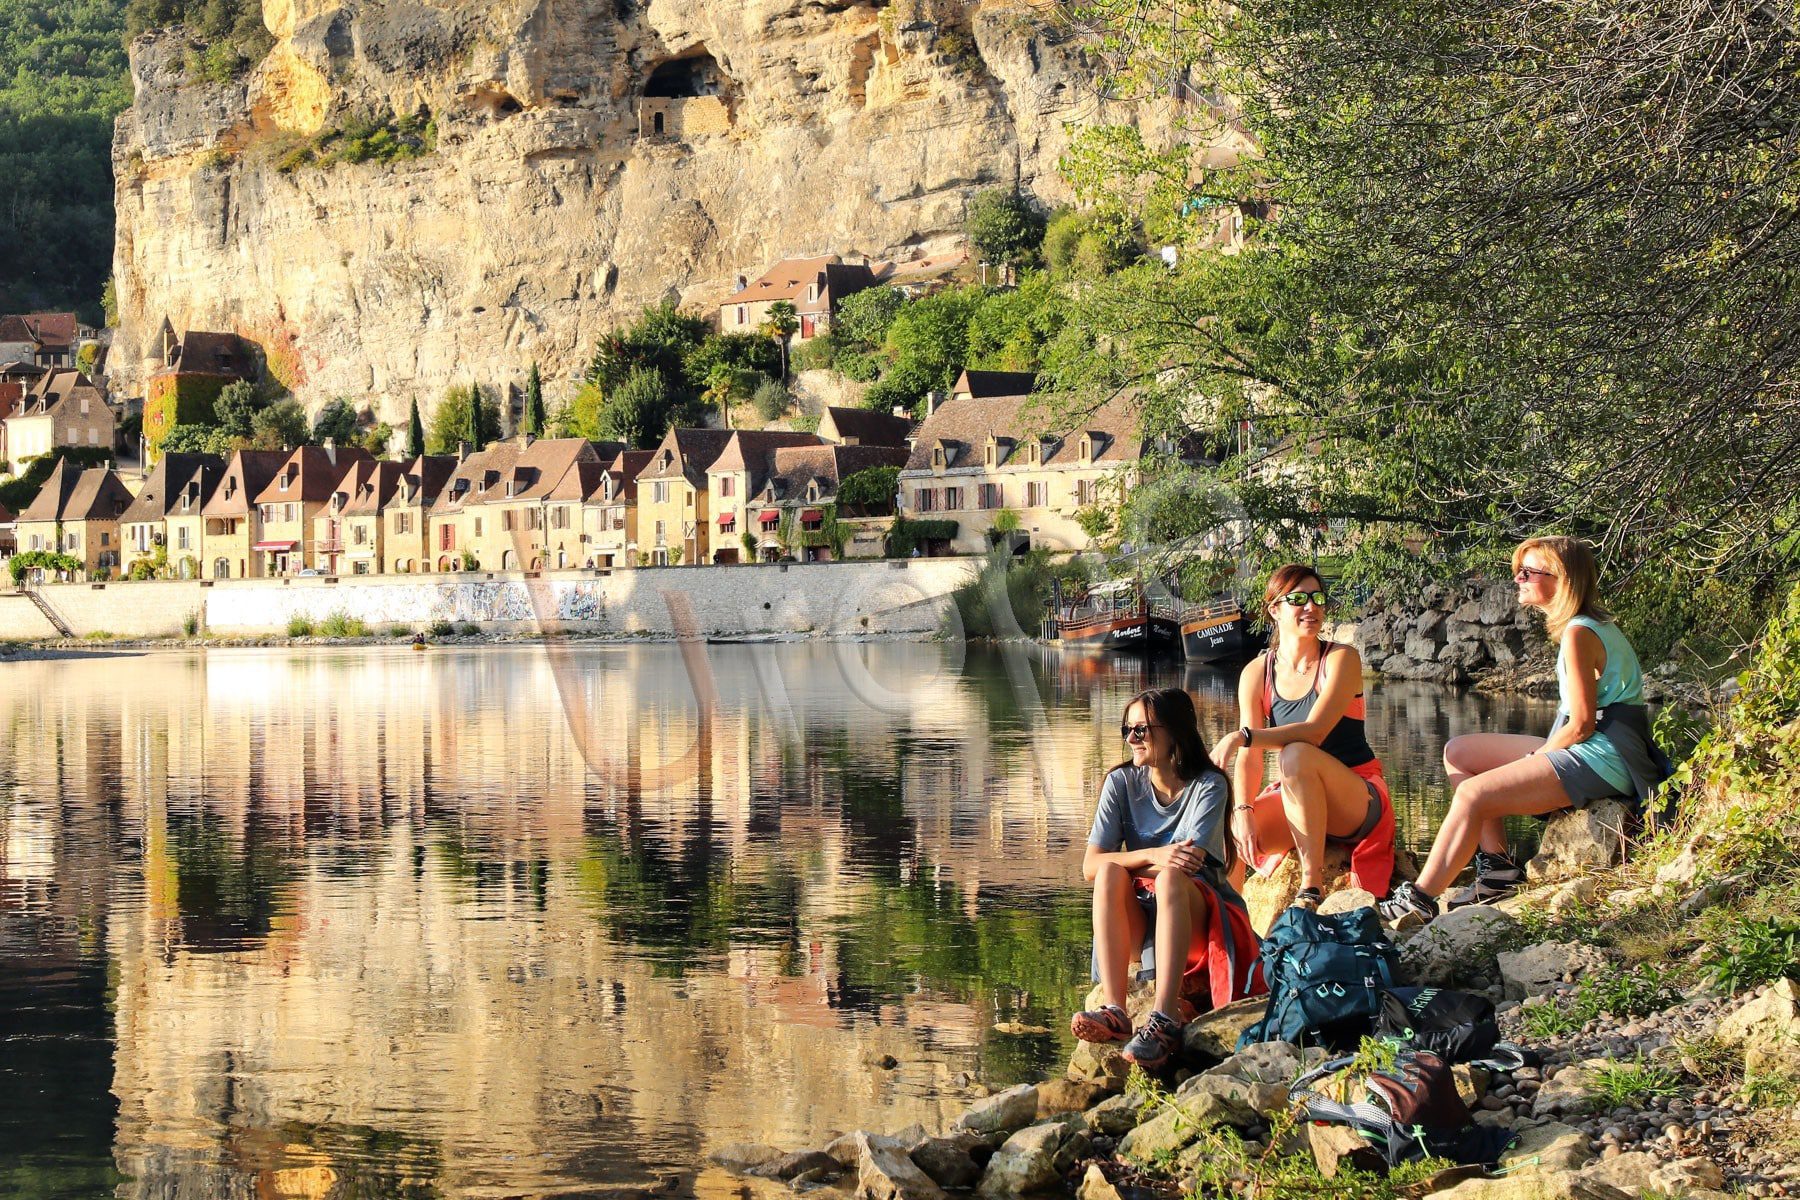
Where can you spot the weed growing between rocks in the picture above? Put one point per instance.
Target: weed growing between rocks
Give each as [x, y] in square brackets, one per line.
[1635, 1083]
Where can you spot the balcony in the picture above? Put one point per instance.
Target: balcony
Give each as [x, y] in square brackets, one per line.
[329, 546]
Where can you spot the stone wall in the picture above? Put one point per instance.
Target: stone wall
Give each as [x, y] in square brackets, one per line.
[891, 597]
[1451, 634]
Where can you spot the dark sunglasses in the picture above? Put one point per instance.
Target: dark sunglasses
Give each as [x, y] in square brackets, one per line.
[1137, 733]
[1524, 574]
[1302, 599]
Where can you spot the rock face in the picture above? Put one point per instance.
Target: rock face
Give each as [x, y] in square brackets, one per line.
[550, 205]
[1450, 635]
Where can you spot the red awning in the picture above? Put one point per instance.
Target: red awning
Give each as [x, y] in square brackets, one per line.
[770, 516]
[727, 519]
[811, 514]
[278, 547]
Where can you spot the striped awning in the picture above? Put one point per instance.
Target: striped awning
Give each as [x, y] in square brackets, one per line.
[277, 547]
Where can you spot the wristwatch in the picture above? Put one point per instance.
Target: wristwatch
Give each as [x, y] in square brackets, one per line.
[1245, 730]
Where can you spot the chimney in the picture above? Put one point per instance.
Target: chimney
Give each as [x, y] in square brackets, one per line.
[462, 451]
[331, 451]
[525, 437]
[932, 400]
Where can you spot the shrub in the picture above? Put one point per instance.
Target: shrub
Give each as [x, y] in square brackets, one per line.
[1004, 227]
[398, 631]
[48, 560]
[469, 629]
[190, 624]
[869, 492]
[100, 635]
[342, 624]
[441, 629]
[299, 627]
[863, 318]
[771, 400]
[1755, 952]
[141, 569]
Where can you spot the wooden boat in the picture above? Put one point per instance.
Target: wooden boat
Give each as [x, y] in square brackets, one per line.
[1115, 615]
[1217, 632]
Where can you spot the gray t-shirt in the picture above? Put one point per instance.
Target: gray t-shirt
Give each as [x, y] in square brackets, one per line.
[1131, 818]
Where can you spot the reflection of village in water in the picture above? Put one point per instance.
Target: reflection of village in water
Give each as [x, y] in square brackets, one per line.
[308, 917]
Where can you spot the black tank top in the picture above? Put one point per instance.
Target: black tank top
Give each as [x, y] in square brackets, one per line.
[1347, 742]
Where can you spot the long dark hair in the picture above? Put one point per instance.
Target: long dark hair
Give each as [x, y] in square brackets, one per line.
[1173, 709]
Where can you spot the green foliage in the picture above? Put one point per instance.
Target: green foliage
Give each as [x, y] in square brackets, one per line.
[1006, 521]
[863, 318]
[231, 33]
[1753, 953]
[929, 344]
[299, 626]
[1003, 227]
[726, 385]
[1019, 586]
[23, 488]
[904, 535]
[535, 422]
[469, 561]
[280, 426]
[469, 629]
[235, 409]
[398, 631]
[675, 555]
[744, 352]
[337, 421]
[340, 624]
[375, 438]
[450, 421]
[750, 544]
[1632, 1084]
[378, 138]
[179, 400]
[582, 416]
[661, 339]
[869, 492]
[1081, 244]
[639, 411]
[47, 560]
[415, 430]
[441, 629]
[1638, 992]
[200, 439]
[190, 624]
[1009, 330]
[771, 400]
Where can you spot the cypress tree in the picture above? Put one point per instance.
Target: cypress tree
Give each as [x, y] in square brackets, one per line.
[475, 428]
[415, 430]
[534, 403]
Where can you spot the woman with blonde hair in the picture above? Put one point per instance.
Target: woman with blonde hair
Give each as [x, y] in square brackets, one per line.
[1599, 747]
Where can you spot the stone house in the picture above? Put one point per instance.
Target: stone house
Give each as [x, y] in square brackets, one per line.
[973, 459]
[798, 501]
[672, 497]
[814, 286]
[46, 339]
[179, 486]
[61, 407]
[289, 504]
[230, 521]
[348, 531]
[406, 537]
[187, 374]
[77, 512]
[496, 503]
[610, 512]
[739, 473]
[864, 427]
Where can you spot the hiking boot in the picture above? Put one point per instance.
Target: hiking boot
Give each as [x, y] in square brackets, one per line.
[1307, 898]
[1152, 1046]
[1108, 1023]
[1407, 907]
[1496, 877]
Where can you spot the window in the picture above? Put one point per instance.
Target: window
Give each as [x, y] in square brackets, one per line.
[181, 538]
[290, 512]
[105, 538]
[477, 526]
[402, 522]
[812, 294]
[84, 404]
[659, 533]
[952, 499]
[993, 495]
[659, 492]
[1087, 491]
[534, 519]
[93, 437]
[74, 541]
[1087, 448]
[446, 537]
[359, 534]
[36, 542]
[925, 500]
[506, 520]
[727, 486]
[561, 516]
[1037, 495]
[265, 513]
[743, 314]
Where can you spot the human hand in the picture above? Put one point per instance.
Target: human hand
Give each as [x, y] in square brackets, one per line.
[1184, 856]
[1226, 749]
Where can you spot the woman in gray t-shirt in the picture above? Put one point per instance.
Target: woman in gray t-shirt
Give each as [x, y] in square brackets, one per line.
[1157, 856]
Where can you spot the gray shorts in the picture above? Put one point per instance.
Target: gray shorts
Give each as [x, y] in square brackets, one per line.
[1583, 784]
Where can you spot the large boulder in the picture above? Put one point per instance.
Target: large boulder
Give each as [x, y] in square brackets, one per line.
[800, 1162]
[995, 1118]
[1537, 969]
[1547, 1146]
[741, 1158]
[1579, 840]
[1456, 946]
[1026, 1162]
[1239, 1103]
[949, 1161]
[1214, 1035]
[1535, 1185]
[1572, 1090]
[884, 1171]
[1058, 1096]
[1768, 1027]
[1267, 895]
[1179, 1122]
[1101, 1063]
[1270, 1062]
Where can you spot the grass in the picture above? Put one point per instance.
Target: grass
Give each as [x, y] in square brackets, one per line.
[299, 627]
[469, 629]
[441, 629]
[1632, 1084]
[399, 631]
[99, 635]
[1754, 952]
[1638, 992]
[190, 624]
[1770, 1089]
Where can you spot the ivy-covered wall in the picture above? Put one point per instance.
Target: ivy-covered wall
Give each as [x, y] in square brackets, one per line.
[176, 399]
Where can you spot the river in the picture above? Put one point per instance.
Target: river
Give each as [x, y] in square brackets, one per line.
[517, 921]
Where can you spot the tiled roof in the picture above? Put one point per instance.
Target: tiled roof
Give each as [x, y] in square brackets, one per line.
[792, 469]
[54, 387]
[790, 279]
[172, 476]
[15, 329]
[369, 485]
[533, 470]
[58, 328]
[427, 474]
[867, 427]
[623, 471]
[311, 473]
[246, 474]
[71, 494]
[964, 424]
[204, 353]
[53, 497]
[749, 451]
[691, 453]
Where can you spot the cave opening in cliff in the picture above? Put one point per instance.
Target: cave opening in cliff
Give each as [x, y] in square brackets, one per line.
[693, 74]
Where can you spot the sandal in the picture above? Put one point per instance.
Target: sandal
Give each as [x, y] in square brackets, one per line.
[1108, 1023]
[1153, 1045]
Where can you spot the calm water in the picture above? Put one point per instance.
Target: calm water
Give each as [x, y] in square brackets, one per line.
[516, 922]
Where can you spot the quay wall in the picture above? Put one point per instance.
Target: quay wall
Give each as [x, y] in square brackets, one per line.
[902, 596]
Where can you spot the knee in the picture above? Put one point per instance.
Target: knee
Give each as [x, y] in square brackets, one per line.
[1294, 759]
[1453, 755]
[1468, 798]
[1110, 876]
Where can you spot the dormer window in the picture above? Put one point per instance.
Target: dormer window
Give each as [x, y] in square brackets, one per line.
[812, 490]
[993, 451]
[938, 457]
[668, 457]
[1087, 448]
[282, 483]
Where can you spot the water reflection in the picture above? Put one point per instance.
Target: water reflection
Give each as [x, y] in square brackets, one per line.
[315, 923]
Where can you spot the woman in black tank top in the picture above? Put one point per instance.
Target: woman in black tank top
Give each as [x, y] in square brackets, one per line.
[1303, 697]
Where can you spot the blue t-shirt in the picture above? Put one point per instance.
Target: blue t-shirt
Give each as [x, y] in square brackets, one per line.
[1131, 818]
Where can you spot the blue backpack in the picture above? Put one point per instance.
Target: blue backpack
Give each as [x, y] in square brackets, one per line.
[1326, 976]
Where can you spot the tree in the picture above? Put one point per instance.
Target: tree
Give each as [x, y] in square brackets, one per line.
[660, 339]
[415, 430]
[450, 420]
[235, 409]
[862, 318]
[337, 421]
[1003, 227]
[280, 426]
[474, 428]
[869, 492]
[535, 422]
[771, 400]
[202, 439]
[725, 386]
[745, 351]
[780, 323]
[638, 412]
[584, 416]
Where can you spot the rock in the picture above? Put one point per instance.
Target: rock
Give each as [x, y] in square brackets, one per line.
[1331, 1145]
[1347, 900]
[1100, 1064]
[1537, 969]
[1114, 1116]
[884, 1171]
[1498, 605]
[1077, 1144]
[1574, 895]
[947, 1161]
[1000, 1114]
[1577, 841]
[800, 1162]
[1240, 1103]
[743, 1157]
[1572, 1091]
[1057, 1096]
[1472, 1085]
[1682, 870]
[1769, 1029]
[1460, 943]
[847, 1150]
[1096, 1186]
[1268, 1062]
[1627, 1171]
[1176, 1124]
[1535, 1185]
[1214, 1035]
[1025, 1162]
[1548, 1146]
[1687, 1176]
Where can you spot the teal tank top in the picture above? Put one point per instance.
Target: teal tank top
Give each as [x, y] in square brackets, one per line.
[1621, 682]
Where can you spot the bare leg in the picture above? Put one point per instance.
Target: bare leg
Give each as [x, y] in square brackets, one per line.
[1322, 797]
[1181, 908]
[1527, 787]
[1472, 754]
[1118, 931]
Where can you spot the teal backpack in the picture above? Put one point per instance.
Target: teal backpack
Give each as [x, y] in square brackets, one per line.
[1326, 976]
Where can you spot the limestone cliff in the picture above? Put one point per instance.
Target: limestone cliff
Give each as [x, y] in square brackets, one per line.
[590, 156]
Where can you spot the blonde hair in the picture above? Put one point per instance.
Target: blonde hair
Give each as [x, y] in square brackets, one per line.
[1577, 580]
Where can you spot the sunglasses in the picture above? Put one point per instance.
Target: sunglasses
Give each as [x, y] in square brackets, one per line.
[1137, 733]
[1302, 599]
[1524, 574]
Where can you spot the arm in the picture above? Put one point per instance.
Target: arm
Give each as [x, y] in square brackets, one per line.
[1183, 855]
[1344, 678]
[1584, 657]
[1246, 769]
